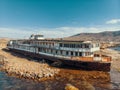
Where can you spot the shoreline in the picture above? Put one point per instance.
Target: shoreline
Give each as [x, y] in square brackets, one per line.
[115, 54]
[23, 68]
[19, 67]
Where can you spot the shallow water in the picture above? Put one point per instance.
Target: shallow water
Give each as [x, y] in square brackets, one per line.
[116, 48]
[12, 83]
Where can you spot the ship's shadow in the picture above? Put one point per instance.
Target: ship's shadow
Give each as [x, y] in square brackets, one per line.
[50, 63]
[41, 60]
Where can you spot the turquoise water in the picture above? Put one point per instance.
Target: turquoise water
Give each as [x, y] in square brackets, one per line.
[116, 48]
[11, 83]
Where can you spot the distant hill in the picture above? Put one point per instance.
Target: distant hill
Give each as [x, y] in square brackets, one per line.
[102, 36]
[4, 39]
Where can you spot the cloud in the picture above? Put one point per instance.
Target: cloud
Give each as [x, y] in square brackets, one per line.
[14, 32]
[54, 32]
[58, 32]
[113, 21]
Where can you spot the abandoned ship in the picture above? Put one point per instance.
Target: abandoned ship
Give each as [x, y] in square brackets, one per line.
[78, 54]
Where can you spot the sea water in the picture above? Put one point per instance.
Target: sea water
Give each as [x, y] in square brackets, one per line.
[12, 83]
[116, 48]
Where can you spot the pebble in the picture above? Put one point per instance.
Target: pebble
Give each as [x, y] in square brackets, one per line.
[70, 87]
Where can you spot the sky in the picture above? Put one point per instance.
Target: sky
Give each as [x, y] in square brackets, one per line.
[57, 18]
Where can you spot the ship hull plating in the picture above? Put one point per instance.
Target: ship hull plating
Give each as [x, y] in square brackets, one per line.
[86, 65]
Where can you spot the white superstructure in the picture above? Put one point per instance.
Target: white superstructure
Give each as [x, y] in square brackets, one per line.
[60, 48]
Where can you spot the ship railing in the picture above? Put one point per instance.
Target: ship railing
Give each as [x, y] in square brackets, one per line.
[9, 46]
[25, 44]
[54, 55]
[64, 48]
[96, 59]
[46, 46]
[106, 59]
[82, 58]
[76, 49]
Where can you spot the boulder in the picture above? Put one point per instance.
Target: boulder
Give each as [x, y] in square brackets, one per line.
[70, 87]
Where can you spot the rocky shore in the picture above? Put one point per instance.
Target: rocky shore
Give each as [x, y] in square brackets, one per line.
[22, 68]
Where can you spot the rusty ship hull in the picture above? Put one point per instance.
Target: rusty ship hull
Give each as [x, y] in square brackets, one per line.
[79, 64]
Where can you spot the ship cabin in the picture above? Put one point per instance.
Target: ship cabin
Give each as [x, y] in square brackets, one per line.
[53, 47]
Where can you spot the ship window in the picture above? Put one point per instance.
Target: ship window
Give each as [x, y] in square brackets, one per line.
[56, 52]
[80, 45]
[91, 53]
[91, 46]
[45, 50]
[51, 51]
[71, 53]
[86, 53]
[60, 44]
[86, 46]
[66, 52]
[76, 53]
[66, 45]
[80, 53]
[96, 55]
[83, 45]
[61, 52]
[73, 45]
[38, 49]
[77, 45]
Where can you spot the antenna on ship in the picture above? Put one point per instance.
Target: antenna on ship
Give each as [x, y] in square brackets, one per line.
[37, 36]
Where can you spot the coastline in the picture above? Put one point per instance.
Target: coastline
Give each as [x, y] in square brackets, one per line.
[23, 68]
[115, 57]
